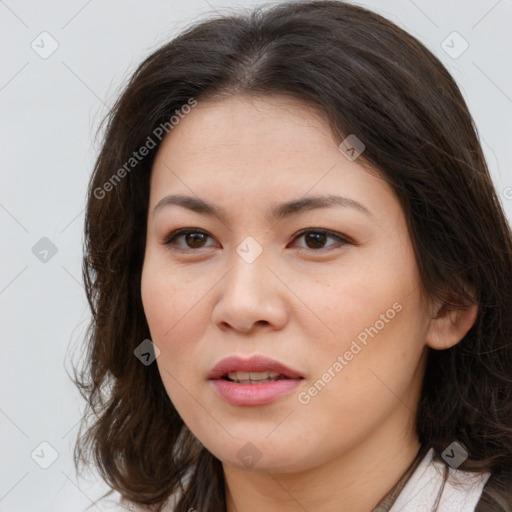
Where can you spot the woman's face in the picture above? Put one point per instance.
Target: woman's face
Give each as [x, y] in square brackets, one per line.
[339, 305]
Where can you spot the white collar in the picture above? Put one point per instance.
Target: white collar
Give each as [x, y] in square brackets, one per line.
[460, 494]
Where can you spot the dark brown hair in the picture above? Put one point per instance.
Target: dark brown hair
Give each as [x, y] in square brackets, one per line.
[370, 79]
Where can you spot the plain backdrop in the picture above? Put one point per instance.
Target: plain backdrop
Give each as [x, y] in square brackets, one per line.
[62, 66]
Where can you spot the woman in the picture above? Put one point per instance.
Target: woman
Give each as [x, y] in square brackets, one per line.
[299, 274]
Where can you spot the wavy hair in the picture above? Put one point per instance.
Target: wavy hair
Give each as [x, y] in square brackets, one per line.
[371, 79]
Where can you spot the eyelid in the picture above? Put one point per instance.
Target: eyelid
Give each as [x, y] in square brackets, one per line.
[345, 240]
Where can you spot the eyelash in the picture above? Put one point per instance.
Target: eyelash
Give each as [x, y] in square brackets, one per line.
[169, 241]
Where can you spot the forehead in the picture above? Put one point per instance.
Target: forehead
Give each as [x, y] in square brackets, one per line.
[239, 126]
[260, 149]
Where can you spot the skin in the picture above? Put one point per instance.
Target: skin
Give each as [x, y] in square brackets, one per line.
[299, 302]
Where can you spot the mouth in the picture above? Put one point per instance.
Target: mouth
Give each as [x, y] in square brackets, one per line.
[255, 381]
[253, 377]
[253, 370]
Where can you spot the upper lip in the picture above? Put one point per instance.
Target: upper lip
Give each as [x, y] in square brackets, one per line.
[253, 364]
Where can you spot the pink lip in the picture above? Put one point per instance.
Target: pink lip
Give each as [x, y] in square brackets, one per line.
[252, 394]
[253, 364]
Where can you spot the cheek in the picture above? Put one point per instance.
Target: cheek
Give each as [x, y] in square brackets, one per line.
[157, 295]
[382, 351]
[176, 312]
[376, 323]
[359, 300]
[160, 298]
[172, 320]
[166, 295]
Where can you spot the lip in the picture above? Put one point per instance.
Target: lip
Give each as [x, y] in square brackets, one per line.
[253, 364]
[253, 394]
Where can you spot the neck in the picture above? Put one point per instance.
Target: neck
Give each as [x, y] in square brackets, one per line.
[354, 481]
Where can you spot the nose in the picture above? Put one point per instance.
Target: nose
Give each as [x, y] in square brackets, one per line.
[251, 297]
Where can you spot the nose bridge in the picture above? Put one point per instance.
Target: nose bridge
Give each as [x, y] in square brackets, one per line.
[251, 293]
[249, 271]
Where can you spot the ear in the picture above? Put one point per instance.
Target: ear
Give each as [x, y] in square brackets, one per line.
[450, 324]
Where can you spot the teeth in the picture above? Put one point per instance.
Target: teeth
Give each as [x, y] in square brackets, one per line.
[247, 377]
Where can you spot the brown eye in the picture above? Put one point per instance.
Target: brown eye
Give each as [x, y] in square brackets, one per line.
[193, 238]
[315, 239]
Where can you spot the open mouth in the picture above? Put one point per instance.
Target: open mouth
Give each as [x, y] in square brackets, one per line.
[256, 381]
[253, 377]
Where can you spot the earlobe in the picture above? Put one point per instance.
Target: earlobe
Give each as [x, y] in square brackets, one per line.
[450, 325]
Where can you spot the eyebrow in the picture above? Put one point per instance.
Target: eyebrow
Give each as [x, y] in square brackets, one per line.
[277, 212]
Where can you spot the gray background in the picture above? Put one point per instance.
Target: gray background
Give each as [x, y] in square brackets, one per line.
[50, 110]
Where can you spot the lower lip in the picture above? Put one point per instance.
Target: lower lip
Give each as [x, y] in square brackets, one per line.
[254, 394]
